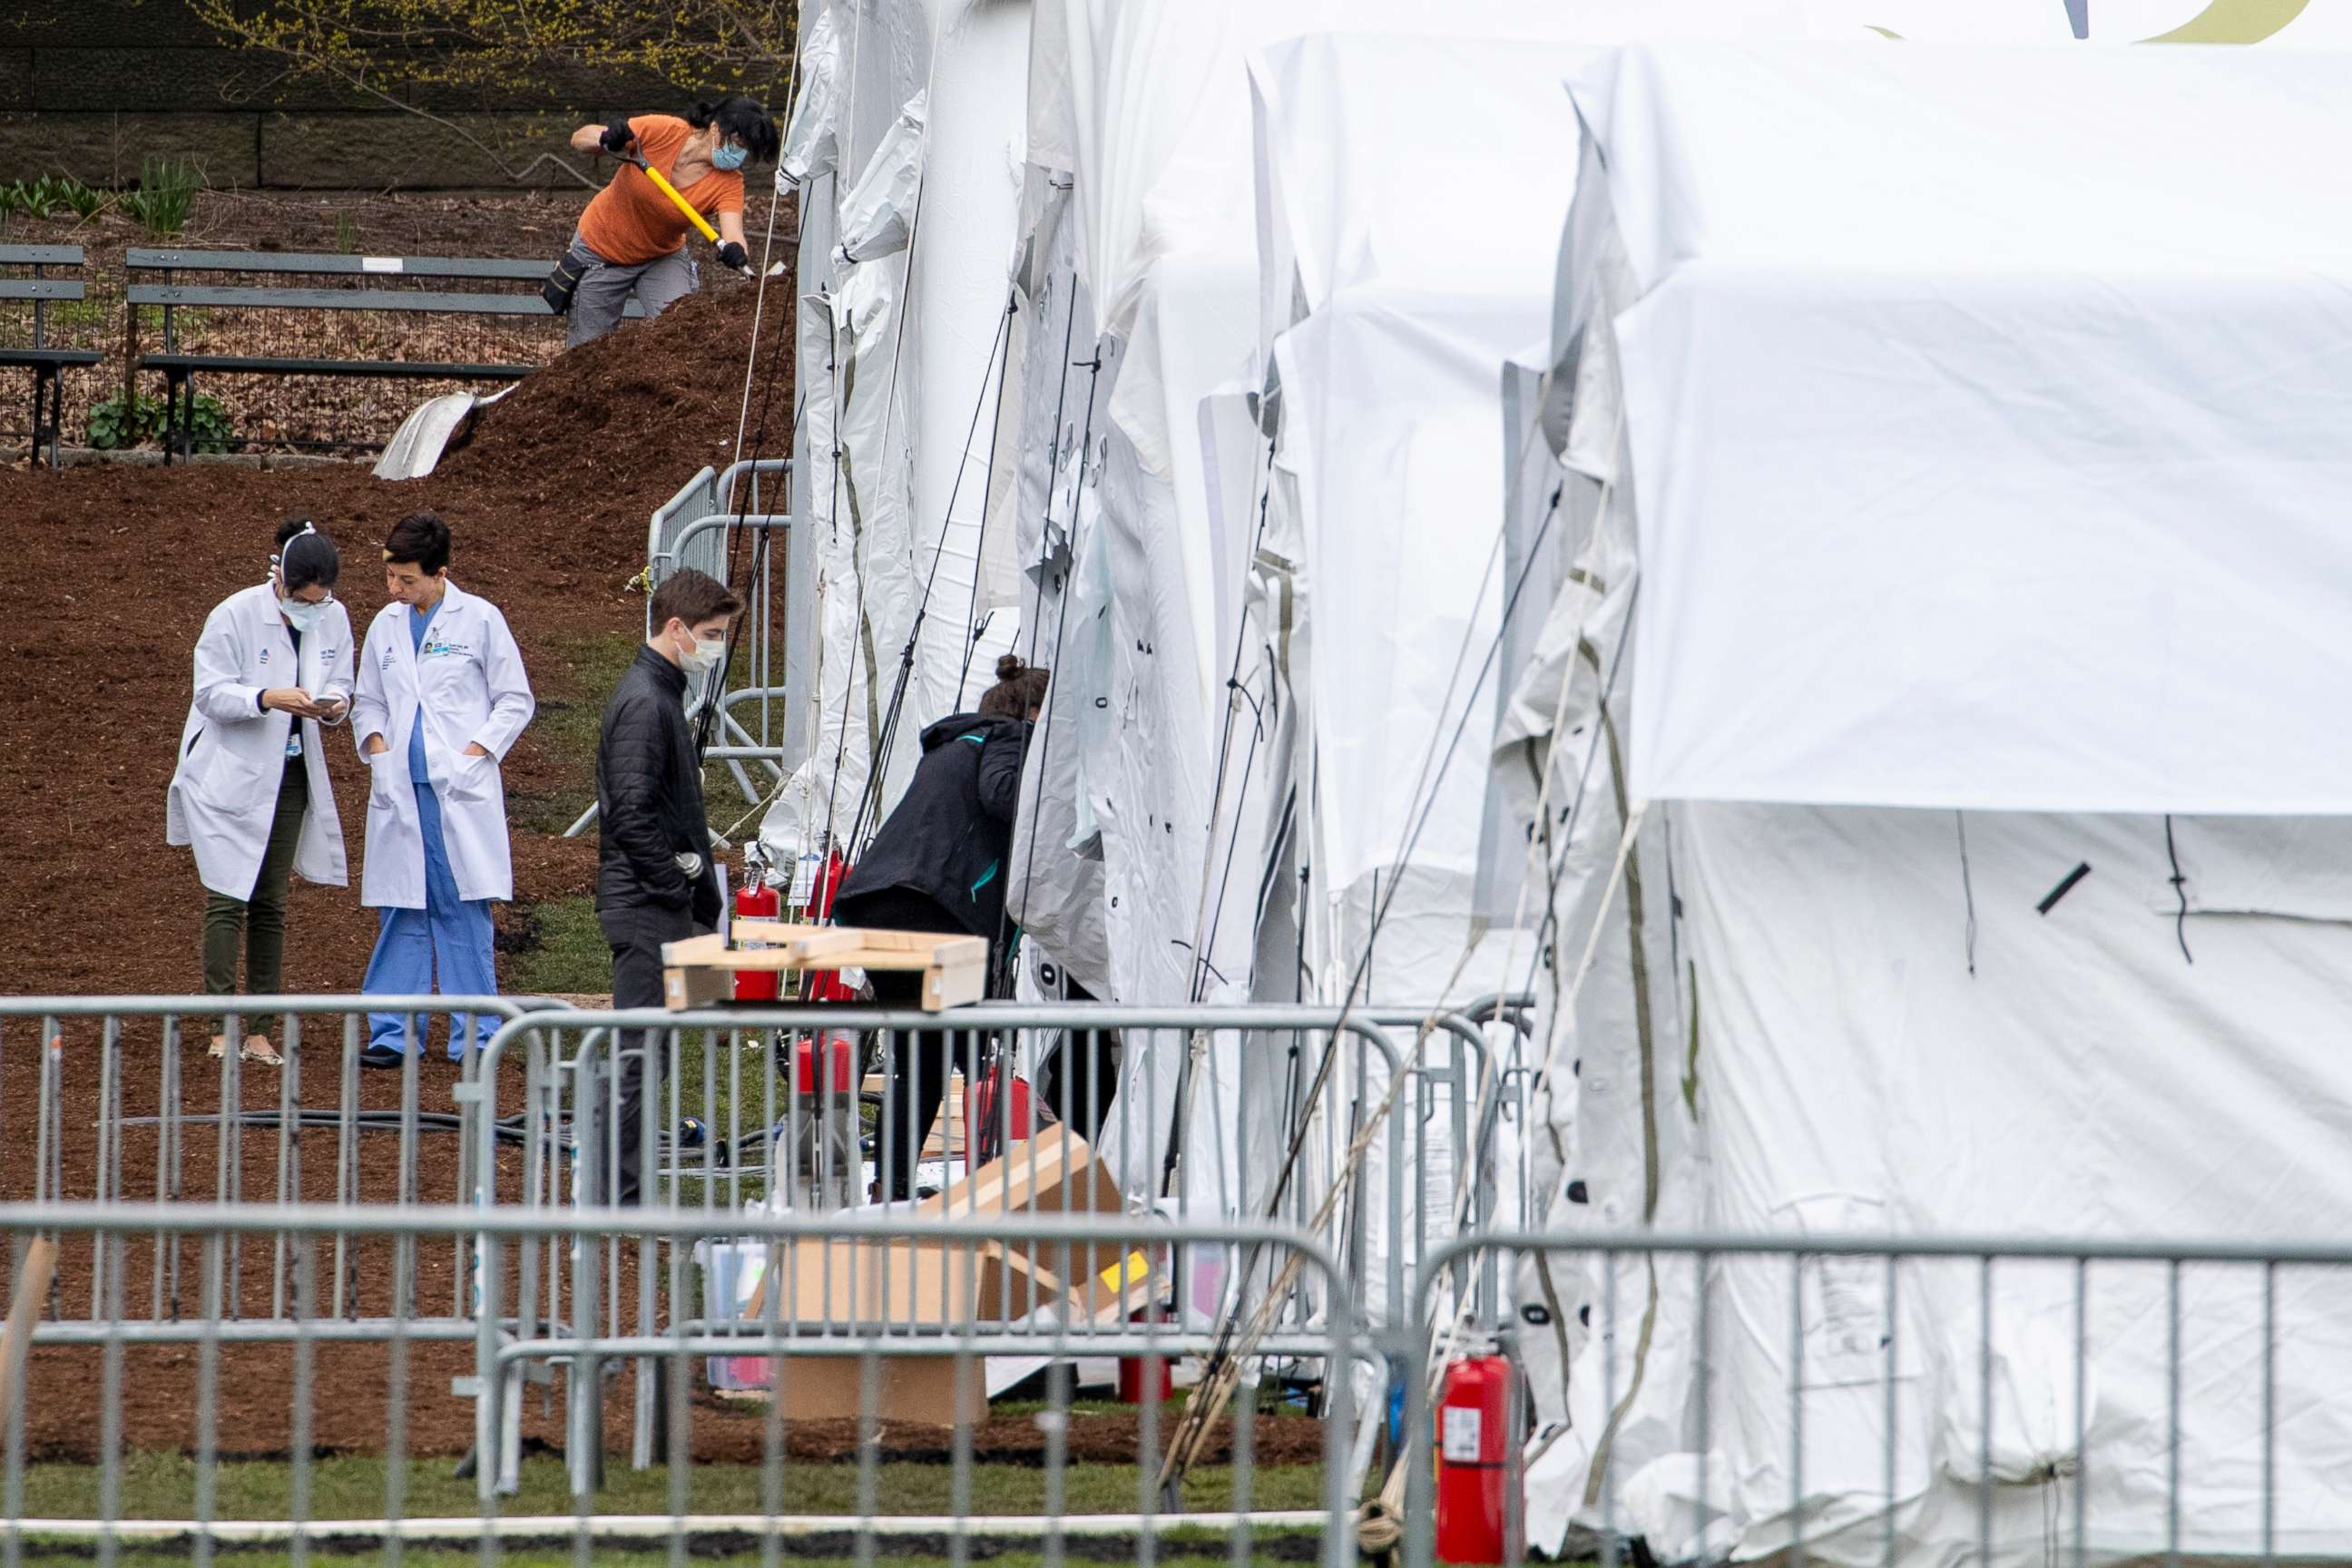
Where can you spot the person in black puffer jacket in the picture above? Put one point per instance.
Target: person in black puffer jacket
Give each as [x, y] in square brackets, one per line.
[938, 864]
[655, 879]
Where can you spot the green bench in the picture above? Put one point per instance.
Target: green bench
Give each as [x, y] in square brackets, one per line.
[366, 292]
[46, 362]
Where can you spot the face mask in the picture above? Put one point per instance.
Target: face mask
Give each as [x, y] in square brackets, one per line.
[303, 616]
[727, 155]
[702, 655]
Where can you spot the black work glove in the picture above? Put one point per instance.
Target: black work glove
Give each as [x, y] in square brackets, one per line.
[731, 254]
[617, 137]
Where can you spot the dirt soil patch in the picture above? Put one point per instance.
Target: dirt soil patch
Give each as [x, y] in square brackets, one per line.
[113, 572]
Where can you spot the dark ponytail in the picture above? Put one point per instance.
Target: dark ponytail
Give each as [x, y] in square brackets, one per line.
[1019, 691]
[740, 118]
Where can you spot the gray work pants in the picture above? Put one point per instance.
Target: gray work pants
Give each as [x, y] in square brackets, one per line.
[606, 288]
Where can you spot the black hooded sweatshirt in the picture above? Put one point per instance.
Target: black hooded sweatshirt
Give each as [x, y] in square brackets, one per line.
[950, 835]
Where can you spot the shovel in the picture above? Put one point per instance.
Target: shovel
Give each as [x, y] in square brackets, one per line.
[661, 184]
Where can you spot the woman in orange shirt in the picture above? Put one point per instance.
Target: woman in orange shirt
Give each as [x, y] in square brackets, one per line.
[632, 237]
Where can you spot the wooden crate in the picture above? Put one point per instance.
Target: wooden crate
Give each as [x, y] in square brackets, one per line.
[700, 971]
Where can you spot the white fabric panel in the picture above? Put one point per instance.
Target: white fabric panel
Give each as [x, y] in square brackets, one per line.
[2003, 461]
[2085, 1080]
[811, 139]
[971, 198]
[1390, 391]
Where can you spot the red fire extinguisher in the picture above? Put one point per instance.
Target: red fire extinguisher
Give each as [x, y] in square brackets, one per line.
[1146, 1379]
[755, 900]
[980, 1110]
[1480, 1513]
[824, 985]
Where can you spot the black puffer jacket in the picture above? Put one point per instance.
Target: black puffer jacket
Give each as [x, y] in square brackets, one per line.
[949, 838]
[649, 797]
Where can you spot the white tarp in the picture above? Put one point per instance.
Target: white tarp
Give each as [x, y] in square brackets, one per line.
[1974, 471]
[904, 144]
[1871, 1023]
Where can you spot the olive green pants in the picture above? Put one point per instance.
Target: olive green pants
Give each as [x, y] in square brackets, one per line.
[260, 918]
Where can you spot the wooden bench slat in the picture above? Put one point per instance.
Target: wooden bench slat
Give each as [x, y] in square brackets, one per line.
[41, 289]
[396, 299]
[151, 259]
[23, 357]
[246, 365]
[41, 255]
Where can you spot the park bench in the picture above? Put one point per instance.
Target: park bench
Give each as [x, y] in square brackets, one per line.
[375, 284]
[46, 361]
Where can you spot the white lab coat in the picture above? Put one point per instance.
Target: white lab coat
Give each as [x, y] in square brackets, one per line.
[232, 755]
[474, 691]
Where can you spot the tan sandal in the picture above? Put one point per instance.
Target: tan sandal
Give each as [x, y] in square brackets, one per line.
[252, 1049]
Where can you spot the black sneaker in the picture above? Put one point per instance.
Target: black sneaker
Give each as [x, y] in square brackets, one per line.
[380, 1057]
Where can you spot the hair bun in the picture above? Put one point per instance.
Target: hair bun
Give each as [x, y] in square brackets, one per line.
[1010, 667]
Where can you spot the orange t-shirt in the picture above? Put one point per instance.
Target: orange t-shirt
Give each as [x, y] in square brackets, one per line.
[630, 221]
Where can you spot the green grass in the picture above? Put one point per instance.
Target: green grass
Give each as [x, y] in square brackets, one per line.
[571, 955]
[162, 1486]
[564, 729]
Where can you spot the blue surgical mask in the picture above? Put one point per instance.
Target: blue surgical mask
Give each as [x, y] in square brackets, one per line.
[727, 155]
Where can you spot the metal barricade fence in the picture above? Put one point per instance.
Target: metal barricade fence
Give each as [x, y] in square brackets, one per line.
[1886, 1399]
[760, 726]
[740, 1124]
[117, 1100]
[808, 1109]
[851, 1370]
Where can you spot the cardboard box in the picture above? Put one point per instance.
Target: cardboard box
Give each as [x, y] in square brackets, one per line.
[906, 1284]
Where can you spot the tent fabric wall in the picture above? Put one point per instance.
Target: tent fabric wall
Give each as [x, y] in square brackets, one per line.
[1876, 1028]
[902, 143]
[2004, 461]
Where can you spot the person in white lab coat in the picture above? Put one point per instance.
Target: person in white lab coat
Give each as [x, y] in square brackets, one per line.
[442, 696]
[249, 793]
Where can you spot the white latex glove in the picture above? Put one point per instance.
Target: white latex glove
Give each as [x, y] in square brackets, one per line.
[689, 865]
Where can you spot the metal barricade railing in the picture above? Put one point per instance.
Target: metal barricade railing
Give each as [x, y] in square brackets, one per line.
[760, 727]
[841, 1372]
[116, 1099]
[1860, 1398]
[805, 1110]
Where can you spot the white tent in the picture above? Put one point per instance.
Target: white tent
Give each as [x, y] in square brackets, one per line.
[903, 148]
[1961, 1018]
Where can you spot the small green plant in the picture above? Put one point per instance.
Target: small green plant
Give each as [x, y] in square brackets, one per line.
[166, 194]
[40, 198]
[347, 233]
[115, 425]
[85, 201]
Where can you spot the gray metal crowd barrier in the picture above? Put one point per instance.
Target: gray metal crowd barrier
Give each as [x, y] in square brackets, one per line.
[865, 1366]
[748, 1115]
[1858, 1398]
[127, 1109]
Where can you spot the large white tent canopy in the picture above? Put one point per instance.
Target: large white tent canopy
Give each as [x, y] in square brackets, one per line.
[2009, 440]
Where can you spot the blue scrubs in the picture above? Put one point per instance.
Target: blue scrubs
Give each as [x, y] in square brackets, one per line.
[443, 947]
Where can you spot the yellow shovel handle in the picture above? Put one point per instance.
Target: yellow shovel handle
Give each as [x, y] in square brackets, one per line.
[684, 205]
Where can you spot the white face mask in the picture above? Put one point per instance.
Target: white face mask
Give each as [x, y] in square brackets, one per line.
[303, 616]
[702, 655]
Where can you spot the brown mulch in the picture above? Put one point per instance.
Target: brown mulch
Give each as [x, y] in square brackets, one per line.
[273, 411]
[112, 573]
[114, 570]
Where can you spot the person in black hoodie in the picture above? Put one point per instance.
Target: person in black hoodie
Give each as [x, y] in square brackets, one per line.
[655, 879]
[938, 864]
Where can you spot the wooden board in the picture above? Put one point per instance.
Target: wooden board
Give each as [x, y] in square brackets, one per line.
[700, 971]
[25, 1304]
